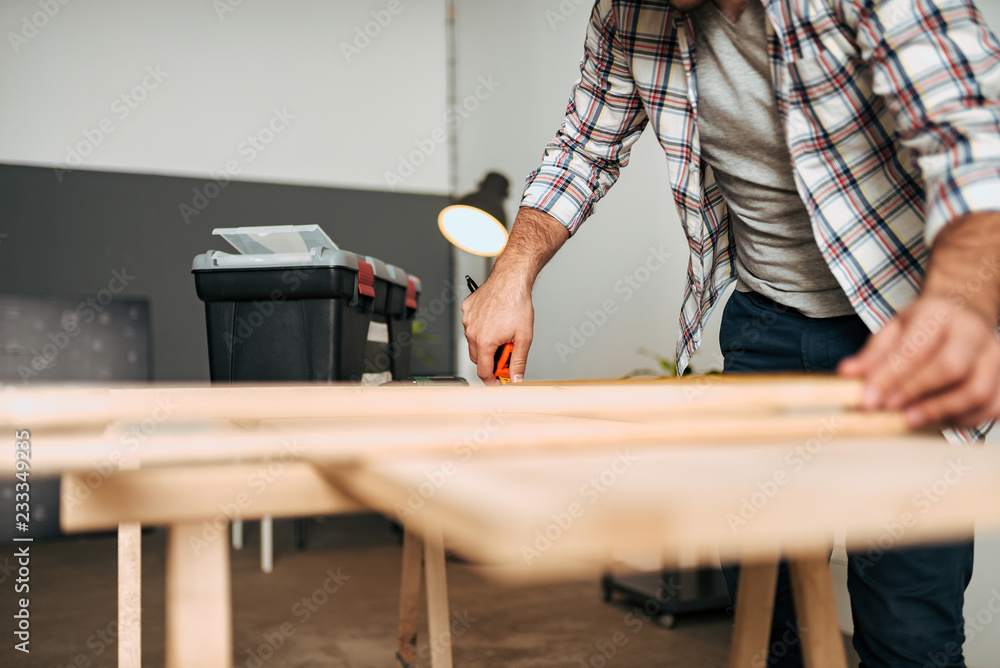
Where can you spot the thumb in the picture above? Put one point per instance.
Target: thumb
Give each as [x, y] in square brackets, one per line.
[519, 359]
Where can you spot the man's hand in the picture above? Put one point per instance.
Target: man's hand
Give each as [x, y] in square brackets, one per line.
[939, 360]
[500, 311]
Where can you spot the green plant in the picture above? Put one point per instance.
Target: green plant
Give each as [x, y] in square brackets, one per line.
[420, 335]
[665, 366]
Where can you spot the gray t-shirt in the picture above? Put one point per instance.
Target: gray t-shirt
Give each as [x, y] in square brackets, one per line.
[742, 139]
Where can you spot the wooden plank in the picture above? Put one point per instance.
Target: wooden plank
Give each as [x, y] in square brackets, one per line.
[438, 617]
[199, 629]
[210, 495]
[733, 502]
[389, 438]
[409, 600]
[754, 611]
[130, 595]
[53, 407]
[812, 587]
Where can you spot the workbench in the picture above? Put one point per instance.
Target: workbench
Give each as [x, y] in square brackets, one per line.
[531, 483]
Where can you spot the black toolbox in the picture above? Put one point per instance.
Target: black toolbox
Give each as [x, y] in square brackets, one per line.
[293, 307]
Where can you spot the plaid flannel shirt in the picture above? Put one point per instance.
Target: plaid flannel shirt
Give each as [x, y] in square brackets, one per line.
[890, 111]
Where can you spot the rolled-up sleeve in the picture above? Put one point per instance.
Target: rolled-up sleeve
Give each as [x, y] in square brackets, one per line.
[604, 118]
[937, 65]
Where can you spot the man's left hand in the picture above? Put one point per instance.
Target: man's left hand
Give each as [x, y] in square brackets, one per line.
[938, 361]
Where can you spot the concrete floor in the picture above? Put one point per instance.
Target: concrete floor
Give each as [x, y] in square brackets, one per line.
[73, 601]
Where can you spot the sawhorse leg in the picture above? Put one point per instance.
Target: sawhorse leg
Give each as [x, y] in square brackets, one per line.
[754, 609]
[199, 605]
[822, 644]
[815, 607]
[130, 595]
[431, 553]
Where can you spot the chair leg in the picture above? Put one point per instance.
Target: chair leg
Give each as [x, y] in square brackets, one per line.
[237, 534]
[266, 544]
[812, 587]
[754, 610]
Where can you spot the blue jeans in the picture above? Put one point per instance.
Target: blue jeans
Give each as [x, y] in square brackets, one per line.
[906, 603]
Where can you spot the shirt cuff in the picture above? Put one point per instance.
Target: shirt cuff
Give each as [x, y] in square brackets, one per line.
[962, 190]
[565, 196]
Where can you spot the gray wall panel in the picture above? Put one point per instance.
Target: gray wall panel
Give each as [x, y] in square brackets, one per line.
[72, 237]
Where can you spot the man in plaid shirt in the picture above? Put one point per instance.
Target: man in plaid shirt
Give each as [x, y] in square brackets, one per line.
[838, 159]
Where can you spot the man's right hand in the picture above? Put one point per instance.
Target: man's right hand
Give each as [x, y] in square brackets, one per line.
[500, 311]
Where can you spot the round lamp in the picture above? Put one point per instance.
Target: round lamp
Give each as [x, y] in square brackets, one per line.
[476, 223]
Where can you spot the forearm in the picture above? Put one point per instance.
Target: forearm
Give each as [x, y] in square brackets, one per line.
[965, 265]
[534, 239]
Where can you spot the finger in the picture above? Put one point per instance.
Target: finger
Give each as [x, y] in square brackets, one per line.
[874, 350]
[913, 350]
[473, 345]
[484, 365]
[466, 308]
[949, 367]
[519, 358]
[966, 404]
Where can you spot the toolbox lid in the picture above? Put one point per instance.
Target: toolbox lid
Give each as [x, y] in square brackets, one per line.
[276, 239]
[276, 246]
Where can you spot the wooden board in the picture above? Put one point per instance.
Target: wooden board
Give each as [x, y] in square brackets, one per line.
[551, 516]
[209, 496]
[353, 440]
[50, 408]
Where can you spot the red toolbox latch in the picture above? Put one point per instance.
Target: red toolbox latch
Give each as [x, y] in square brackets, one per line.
[411, 294]
[366, 279]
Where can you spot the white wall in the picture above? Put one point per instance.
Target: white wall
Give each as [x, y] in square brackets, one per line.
[225, 67]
